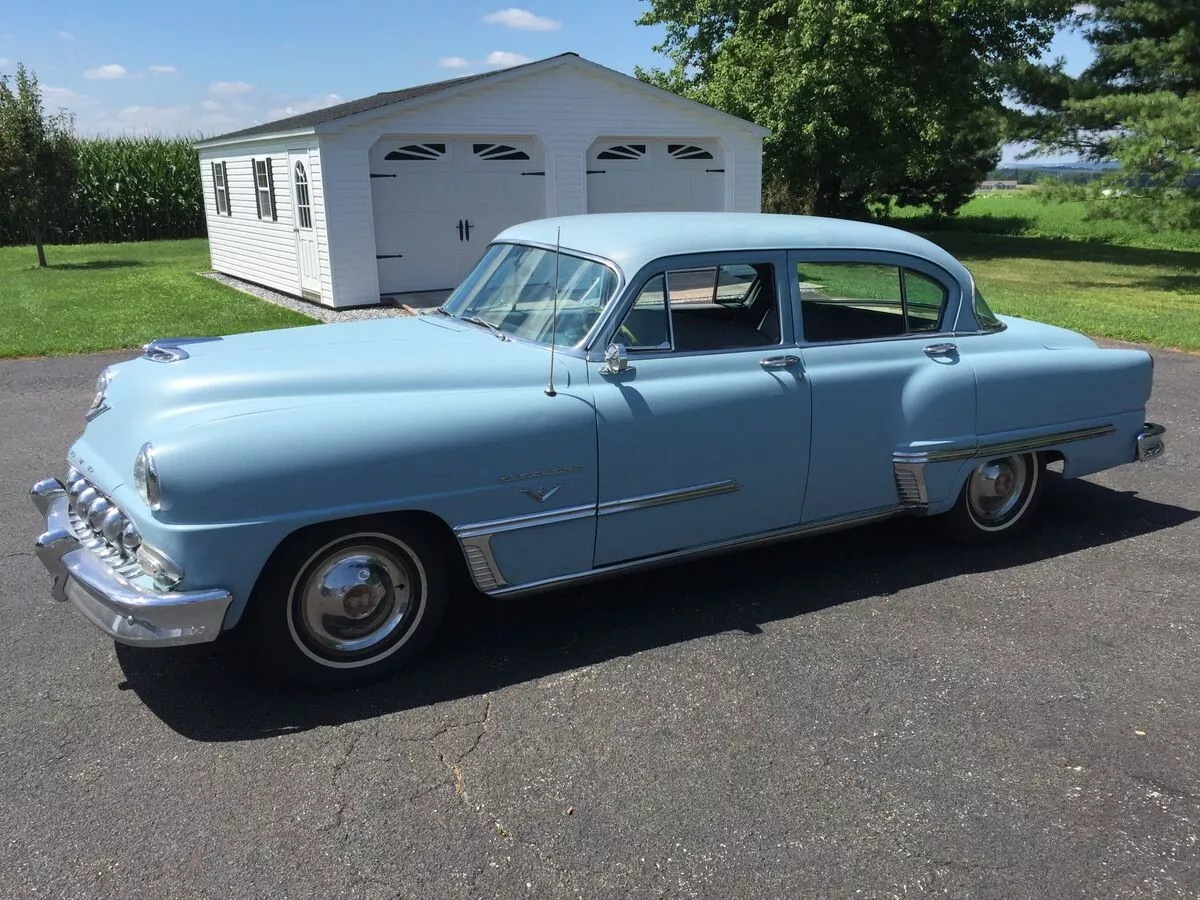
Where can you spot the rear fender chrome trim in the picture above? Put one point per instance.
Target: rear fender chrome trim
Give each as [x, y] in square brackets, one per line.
[952, 451]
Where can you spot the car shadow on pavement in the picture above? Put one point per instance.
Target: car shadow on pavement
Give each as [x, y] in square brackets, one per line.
[215, 693]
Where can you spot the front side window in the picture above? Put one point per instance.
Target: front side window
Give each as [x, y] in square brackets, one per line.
[852, 301]
[730, 307]
[518, 290]
[984, 316]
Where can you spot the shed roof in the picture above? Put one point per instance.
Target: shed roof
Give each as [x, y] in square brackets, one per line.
[313, 121]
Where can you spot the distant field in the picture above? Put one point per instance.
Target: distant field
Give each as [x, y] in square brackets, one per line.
[1047, 262]
[1020, 212]
[109, 296]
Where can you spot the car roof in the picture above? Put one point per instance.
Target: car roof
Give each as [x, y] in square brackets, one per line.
[632, 240]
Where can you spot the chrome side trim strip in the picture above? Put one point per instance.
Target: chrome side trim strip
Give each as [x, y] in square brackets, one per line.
[530, 520]
[741, 543]
[661, 498]
[1001, 448]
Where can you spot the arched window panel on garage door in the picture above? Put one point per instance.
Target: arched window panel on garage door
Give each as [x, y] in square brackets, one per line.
[499, 152]
[659, 174]
[417, 153]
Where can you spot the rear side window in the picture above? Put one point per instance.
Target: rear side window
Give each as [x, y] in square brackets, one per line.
[853, 301]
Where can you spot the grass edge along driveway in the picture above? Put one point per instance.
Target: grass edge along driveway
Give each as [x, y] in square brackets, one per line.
[114, 296]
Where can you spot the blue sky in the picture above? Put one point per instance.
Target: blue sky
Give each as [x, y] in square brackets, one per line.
[135, 67]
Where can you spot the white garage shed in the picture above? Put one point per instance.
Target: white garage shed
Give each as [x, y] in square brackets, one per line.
[398, 193]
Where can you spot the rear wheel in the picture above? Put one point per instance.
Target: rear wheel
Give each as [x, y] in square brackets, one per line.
[998, 499]
[350, 603]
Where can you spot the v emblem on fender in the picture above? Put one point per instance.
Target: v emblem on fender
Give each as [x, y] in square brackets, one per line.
[541, 494]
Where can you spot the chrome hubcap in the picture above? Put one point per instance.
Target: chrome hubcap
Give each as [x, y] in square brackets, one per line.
[996, 488]
[355, 598]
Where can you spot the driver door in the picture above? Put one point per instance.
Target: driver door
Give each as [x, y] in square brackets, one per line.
[704, 437]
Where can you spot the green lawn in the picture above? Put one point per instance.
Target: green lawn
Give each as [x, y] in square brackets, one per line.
[1049, 262]
[109, 296]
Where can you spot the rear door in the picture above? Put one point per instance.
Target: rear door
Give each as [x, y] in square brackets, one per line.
[885, 373]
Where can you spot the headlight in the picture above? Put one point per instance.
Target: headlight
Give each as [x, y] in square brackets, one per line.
[102, 382]
[145, 477]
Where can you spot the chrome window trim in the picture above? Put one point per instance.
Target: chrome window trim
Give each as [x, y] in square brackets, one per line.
[581, 347]
[772, 256]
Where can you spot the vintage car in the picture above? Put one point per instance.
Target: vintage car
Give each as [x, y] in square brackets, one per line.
[601, 394]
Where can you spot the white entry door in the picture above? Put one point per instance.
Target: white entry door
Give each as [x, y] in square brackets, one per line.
[438, 201]
[306, 236]
[655, 175]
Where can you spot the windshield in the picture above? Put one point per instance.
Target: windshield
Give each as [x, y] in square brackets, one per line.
[512, 290]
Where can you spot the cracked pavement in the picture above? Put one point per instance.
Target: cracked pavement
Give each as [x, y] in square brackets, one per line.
[872, 713]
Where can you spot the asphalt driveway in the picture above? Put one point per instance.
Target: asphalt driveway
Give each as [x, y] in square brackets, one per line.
[874, 713]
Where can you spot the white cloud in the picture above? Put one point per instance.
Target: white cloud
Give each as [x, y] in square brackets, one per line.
[303, 106]
[57, 97]
[521, 19]
[453, 62]
[504, 58]
[229, 87]
[163, 70]
[110, 72]
[210, 105]
[66, 36]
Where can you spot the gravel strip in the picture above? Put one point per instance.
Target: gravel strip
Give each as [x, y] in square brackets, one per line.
[306, 307]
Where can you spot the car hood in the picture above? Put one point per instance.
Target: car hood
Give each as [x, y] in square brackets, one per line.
[311, 366]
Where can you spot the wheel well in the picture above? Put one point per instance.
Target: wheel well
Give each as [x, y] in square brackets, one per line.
[435, 526]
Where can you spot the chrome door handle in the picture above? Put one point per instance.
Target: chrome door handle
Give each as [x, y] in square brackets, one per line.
[779, 362]
[941, 349]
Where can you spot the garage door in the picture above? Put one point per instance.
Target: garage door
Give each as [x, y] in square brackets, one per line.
[437, 202]
[649, 175]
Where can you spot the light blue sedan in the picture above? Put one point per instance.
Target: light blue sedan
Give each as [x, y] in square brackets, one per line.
[601, 394]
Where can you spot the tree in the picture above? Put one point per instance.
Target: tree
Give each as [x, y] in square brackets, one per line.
[1137, 104]
[37, 158]
[869, 101]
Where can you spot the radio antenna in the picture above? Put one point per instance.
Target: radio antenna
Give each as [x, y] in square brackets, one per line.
[550, 391]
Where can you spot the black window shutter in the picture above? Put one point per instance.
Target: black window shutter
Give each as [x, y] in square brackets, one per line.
[271, 189]
[216, 193]
[228, 194]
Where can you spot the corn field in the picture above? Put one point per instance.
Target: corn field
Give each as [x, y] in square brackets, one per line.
[128, 189]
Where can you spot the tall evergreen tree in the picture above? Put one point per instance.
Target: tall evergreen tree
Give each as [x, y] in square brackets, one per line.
[1137, 104]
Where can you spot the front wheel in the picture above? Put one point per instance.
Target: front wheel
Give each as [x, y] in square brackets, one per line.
[344, 605]
[997, 500]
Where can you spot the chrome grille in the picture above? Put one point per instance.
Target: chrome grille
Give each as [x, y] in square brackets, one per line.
[92, 513]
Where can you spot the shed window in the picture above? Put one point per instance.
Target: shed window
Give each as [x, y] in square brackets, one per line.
[303, 202]
[221, 188]
[264, 188]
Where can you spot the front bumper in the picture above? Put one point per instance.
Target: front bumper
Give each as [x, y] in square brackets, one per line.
[1150, 442]
[122, 610]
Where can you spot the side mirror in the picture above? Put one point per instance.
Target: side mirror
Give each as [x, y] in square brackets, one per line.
[616, 360]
